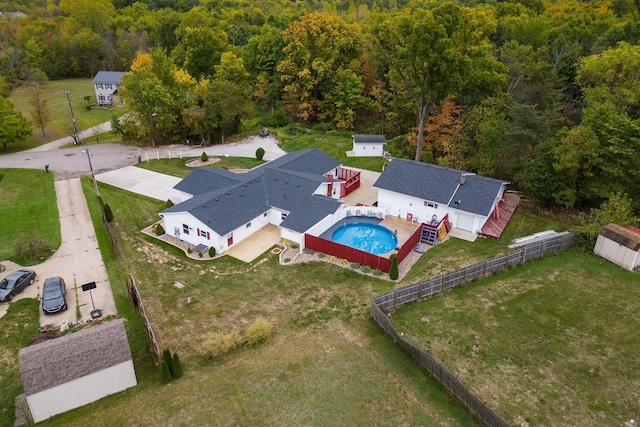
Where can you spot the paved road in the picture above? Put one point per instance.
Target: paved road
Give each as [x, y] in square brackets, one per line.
[77, 261]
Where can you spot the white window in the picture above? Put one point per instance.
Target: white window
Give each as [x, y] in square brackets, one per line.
[99, 85]
[107, 86]
[284, 216]
[248, 225]
[185, 228]
[431, 205]
[101, 98]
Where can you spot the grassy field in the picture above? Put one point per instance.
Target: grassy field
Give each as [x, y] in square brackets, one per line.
[326, 364]
[178, 167]
[28, 205]
[553, 342]
[17, 327]
[54, 91]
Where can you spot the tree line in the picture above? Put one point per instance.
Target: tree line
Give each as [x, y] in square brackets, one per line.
[543, 94]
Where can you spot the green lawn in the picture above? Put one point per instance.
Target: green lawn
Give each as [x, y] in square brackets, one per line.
[17, 327]
[60, 121]
[334, 145]
[552, 342]
[28, 205]
[178, 167]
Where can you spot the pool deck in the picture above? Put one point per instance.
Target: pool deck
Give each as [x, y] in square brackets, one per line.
[403, 228]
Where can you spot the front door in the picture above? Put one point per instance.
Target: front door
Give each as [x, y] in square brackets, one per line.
[230, 240]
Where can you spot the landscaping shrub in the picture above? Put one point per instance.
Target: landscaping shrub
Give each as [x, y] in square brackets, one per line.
[218, 344]
[354, 265]
[32, 247]
[169, 203]
[366, 269]
[108, 214]
[257, 332]
[177, 366]
[212, 252]
[204, 157]
[259, 153]
[321, 255]
[393, 272]
[295, 246]
[166, 358]
[165, 374]
[189, 250]
[159, 230]
[287, 260]
[377, 272]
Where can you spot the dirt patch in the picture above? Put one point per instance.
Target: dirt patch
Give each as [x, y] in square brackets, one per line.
[197, 163]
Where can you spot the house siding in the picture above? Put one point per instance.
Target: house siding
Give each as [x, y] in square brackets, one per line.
[368, 150]
[81, 391]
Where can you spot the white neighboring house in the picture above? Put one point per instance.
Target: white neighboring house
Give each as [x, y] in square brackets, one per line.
[76, 369]
[423, 192]
[220, 208]
[368, 145]
[106, 85]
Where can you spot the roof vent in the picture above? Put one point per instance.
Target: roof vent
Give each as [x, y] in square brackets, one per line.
[463, 178]
[228, 194]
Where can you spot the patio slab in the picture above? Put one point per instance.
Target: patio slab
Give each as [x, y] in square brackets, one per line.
[254, 246]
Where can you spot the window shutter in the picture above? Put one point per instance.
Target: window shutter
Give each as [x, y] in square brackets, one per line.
[208, 236]
[198, 232]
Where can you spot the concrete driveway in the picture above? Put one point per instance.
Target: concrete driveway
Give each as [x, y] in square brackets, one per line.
[156, 185]
[77, 261]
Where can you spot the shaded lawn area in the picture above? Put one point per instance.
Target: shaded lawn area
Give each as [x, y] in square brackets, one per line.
[551, 342]
[28, 205]
[17, 327]
[54, 91]
[178, 167]
[326, 364]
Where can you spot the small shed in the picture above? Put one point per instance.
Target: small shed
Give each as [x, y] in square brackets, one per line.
[76, 369]
[368, 145]
[619, 245]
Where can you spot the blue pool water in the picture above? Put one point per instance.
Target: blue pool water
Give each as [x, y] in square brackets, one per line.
[372, 238]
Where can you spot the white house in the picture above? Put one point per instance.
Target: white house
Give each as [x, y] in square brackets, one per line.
[423, 192]
[76, 369]
[220, 208]
[368, 145]
[106, 85]
[619, 245]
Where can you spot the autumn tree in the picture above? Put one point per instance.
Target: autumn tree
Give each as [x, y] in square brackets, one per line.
[436, 53]
[40, 109]
[320, 48]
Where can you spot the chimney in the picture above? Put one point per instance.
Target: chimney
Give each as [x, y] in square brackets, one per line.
[463, 177]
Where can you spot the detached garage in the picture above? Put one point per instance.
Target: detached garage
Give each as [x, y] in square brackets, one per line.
[619, 245]
[78, 368]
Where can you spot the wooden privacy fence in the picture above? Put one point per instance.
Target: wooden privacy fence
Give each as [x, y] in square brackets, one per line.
[437, 285]
[134, 294]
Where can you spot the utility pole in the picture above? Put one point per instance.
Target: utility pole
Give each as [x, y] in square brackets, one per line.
[76, 134]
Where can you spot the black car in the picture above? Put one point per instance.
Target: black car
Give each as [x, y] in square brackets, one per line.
[53, 295]
[15, 282]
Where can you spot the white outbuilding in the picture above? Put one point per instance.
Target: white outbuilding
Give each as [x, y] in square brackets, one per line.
[78, 368]
[368, 145]
[619, 245]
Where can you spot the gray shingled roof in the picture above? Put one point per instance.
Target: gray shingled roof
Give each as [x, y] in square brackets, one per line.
[441, 185]
[72, 356]
[204, 180]
[286, 183]
[368, 139]
[113, 77]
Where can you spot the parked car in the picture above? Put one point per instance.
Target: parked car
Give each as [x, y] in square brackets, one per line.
[53, 295]
[15, 282]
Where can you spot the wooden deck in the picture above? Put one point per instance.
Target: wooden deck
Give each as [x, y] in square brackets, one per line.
[496, 224]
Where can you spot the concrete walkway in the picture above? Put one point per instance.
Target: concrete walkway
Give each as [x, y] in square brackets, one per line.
[77, 261]
[152, 184]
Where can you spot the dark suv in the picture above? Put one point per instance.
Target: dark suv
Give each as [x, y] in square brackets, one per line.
[53, 295]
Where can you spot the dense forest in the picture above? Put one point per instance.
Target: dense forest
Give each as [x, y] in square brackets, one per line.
[545, 94]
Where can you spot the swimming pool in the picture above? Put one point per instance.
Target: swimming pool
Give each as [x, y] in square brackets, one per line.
[368, 237]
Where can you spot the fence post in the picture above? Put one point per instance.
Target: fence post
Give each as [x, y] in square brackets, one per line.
[524, 254]
[442, 284]
[484, 269]
[395, 299]
[543, 249]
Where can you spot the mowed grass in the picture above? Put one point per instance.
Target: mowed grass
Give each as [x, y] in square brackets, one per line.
[27, 205]
[179, 168]
[327, 362]
[553, 342]
[17, 327]
[334, 145]
[54, 91]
